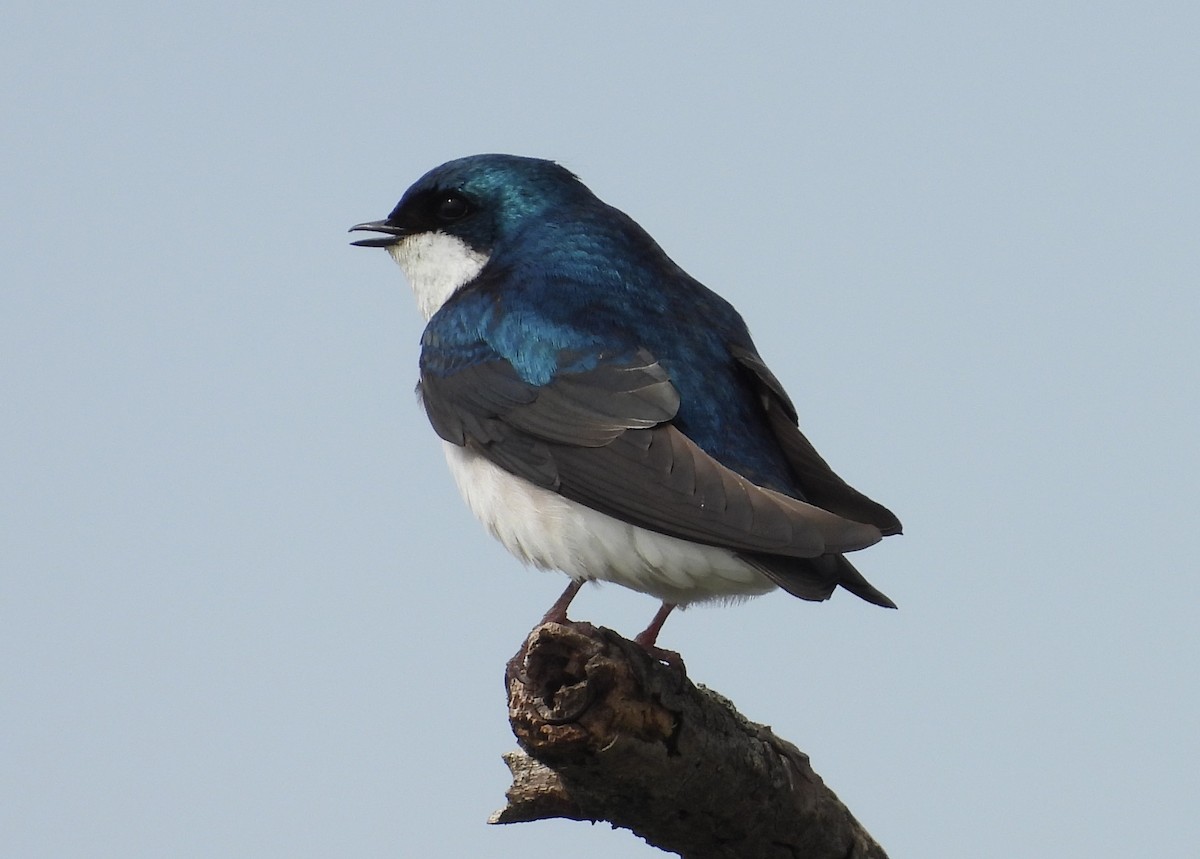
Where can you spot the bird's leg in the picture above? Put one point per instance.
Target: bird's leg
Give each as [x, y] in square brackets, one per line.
[646, 639]
[649, 635]
[558, 611]
[557, 614]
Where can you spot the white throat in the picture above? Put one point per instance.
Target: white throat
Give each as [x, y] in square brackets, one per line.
[437, 266]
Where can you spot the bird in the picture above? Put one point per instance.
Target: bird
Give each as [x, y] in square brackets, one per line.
[603, 413]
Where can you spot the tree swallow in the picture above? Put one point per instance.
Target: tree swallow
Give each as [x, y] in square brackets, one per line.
[603, 413]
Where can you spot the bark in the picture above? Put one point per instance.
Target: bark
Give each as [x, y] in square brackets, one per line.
[608, 733]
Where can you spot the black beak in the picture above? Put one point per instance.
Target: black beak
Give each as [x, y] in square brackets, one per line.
[394, 234]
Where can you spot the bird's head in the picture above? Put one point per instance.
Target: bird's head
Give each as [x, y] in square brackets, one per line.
[451, 221]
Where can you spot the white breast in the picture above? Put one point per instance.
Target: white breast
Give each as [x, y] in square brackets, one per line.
[548, 531]
[437, 266]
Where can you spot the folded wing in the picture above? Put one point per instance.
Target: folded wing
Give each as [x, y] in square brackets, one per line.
[599, 432]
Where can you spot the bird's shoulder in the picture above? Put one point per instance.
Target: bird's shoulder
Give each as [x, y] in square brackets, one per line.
[495, 352]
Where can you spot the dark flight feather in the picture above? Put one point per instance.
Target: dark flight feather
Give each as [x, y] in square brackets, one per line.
[602, 436]
[821, 486]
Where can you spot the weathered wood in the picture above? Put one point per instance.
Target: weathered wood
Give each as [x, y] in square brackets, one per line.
[610, 734]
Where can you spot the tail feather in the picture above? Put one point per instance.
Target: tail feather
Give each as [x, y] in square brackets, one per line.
[817, 578]
[854, 581]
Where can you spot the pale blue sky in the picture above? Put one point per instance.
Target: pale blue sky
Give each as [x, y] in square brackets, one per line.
[245, 613]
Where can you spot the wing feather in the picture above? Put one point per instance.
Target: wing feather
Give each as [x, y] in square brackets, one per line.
[820, 483]
[601, 435]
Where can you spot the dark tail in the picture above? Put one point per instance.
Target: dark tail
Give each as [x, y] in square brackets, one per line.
[853, 581]
[816, 578]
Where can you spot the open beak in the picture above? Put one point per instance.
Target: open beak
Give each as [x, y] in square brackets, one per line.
[394, 234]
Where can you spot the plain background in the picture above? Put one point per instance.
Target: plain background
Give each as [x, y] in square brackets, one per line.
[245, 613]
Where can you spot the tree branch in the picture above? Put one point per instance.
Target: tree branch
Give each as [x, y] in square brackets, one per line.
[610, 734]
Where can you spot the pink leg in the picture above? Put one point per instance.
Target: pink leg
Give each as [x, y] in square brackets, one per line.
[647, 638]
[558, 611]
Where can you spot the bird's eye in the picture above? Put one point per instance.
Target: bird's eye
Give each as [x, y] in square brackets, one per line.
[451, 207]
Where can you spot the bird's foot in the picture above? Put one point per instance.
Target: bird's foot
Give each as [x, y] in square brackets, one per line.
[648, 637]
[660, 654]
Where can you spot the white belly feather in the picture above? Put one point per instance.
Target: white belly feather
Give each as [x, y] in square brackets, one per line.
[546, 530]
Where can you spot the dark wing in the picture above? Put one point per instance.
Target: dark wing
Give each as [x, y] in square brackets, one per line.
[599, 433]
[817, 480]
